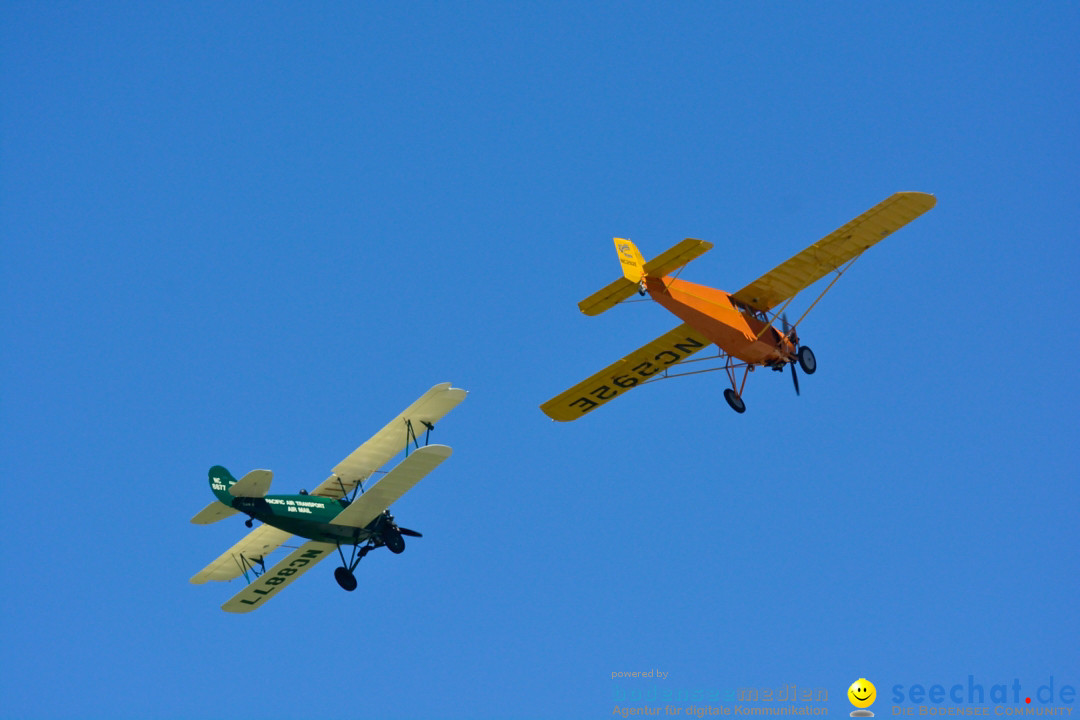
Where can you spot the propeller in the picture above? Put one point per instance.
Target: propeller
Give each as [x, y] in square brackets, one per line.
[410, 533]
[787, 334]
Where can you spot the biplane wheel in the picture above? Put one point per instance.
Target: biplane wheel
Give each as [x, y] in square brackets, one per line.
[345, 578]
[734, 400]
[807, 361]
[394, 542]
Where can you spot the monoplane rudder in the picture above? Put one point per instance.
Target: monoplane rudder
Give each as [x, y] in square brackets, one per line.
[633, 264]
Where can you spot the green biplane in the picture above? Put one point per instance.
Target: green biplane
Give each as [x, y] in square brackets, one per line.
[338, 513]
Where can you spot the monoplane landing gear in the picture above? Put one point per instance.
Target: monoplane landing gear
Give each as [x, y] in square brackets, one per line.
[734, 400]
[807, 361]
[345, 578]
[248, 522]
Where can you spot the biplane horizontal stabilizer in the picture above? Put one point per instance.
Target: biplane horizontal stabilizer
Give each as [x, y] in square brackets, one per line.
[645, 363]
[213, 512]
[253, 485]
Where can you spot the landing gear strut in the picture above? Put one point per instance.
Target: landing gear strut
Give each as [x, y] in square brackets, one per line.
[344, 574]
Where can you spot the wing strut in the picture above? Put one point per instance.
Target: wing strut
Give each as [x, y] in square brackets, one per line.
[839, 271]
[410, 434]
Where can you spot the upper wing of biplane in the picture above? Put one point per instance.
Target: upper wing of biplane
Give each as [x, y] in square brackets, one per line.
[664, 263]
[422, 415]
[392, 486]
[256, 545]
[834, 250]
[634, 369]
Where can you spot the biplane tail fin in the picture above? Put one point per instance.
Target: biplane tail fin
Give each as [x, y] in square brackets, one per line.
[253, 485]
[220, 482]
[635, 269]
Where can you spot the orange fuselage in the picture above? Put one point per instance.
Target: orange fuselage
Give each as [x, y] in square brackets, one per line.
[715, 315]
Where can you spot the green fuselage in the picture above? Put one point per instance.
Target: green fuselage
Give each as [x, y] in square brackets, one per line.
[308, 516]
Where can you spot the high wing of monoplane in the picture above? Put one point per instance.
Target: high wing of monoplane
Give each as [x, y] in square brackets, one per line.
[337, 514]
[742, 325]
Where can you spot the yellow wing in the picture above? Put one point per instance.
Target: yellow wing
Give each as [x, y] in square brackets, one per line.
[835, 249]
[634, 369]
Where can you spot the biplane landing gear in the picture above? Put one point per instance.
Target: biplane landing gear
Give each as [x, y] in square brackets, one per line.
[345, 578]
[344, 574]
[807, 361]
[248, 522]
[734, 400]
[393, 541]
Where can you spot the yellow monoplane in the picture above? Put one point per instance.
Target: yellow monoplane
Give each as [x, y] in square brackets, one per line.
[742, 324]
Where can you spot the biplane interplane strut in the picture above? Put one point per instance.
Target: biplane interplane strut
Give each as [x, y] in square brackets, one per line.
[749, 327]
[337, 518]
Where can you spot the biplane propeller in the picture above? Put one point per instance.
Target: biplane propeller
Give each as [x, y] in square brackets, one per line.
[337, 514]
[742, 325]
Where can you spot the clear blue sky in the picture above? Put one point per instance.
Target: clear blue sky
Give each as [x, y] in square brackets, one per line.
[250, 234]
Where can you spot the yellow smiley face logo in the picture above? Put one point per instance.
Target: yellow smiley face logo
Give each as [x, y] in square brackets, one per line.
[862, 693]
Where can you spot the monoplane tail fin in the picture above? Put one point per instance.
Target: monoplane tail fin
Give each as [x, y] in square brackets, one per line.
[633, 264]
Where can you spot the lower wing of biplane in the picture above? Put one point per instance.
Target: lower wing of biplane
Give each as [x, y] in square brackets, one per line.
[741, 325]
[341, 513]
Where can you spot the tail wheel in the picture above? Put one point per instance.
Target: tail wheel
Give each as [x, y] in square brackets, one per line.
[345, 578]
[734, 400]
[807, 361]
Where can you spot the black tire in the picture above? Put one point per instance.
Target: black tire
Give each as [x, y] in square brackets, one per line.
[807, 361]
[345, 578]
[734, 401]
[394, 542]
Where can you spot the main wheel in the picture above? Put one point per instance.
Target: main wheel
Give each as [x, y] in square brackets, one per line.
[734, 400]
[394, 542]
[345, 578]
[807, 361]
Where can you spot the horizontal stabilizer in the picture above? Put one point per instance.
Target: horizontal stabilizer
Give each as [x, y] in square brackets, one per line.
[212, 513]
[608, 297]
[253, 485]
[294, 565]
[674, 258]
[661, 265]
[396, 483]
[637, 367]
